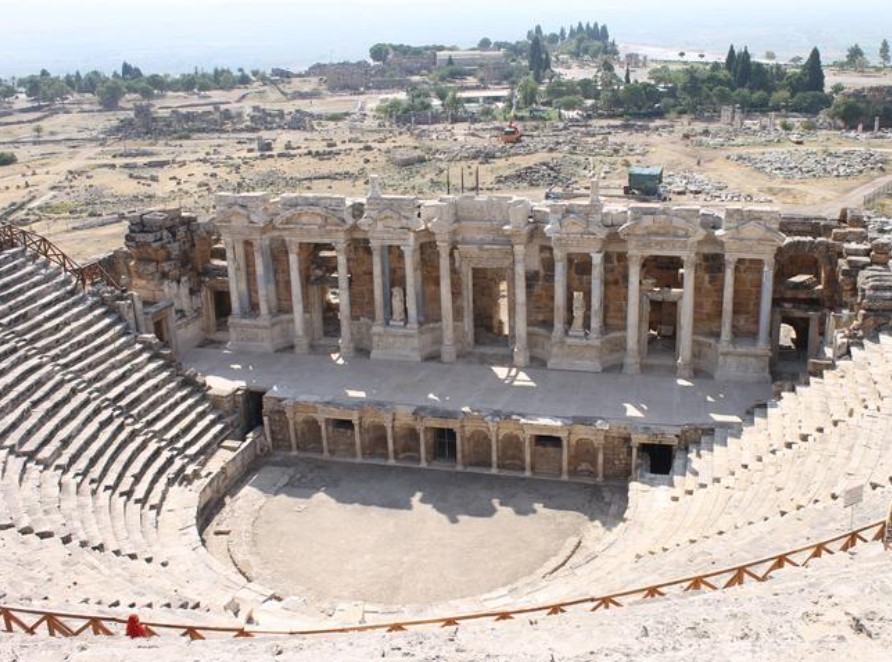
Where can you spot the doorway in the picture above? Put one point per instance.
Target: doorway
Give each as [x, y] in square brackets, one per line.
[222, 309]
[445, 448]
[325, 301]
[491, 307]
[252, 410]
[659, 457]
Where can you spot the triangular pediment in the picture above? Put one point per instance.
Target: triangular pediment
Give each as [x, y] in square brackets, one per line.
[662, 226]
[752, 231]
[389, 219]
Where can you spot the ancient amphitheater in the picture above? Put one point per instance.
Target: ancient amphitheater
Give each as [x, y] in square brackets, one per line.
[369, 427]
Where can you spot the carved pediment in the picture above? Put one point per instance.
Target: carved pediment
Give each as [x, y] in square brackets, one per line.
[751, 232]
[389, 219]
[312, 217]
[574, 225]
[660, 227]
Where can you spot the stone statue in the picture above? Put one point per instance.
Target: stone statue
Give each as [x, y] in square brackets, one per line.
[576, 329]
[397, 305]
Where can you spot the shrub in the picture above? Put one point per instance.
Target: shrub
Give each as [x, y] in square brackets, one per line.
[7, 158]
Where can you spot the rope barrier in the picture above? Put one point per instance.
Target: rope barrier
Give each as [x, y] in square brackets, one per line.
[758, 571]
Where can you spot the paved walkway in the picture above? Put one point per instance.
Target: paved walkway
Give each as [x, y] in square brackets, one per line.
[649, 399]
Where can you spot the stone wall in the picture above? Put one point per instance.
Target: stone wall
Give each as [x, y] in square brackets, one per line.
[430, 281]
[747, 291]
[616, 295]
[362, 295]
[579, 279]
[282, 272]
[708, 290]
[540, 290]
[251, 275]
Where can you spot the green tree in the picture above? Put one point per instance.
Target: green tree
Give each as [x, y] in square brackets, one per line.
[453, 103]
[484, 44]
[7, 158]
[527, 92]
[884, 53]
[536, 58]
[743, 68]
[628, 77]
[813, 72]
[110, 93]
[379, 53]
[855, 58]
[731, 60]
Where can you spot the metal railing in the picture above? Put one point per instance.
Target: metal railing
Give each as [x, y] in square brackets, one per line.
[71, 625]
[87, 274]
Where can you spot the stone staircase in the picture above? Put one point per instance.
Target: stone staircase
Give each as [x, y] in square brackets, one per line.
[100, 439]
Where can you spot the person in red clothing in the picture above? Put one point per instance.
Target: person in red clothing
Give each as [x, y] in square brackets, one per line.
[135, 629]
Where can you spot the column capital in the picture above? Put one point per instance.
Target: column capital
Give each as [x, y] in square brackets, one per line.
[597, 256]
[444, 244]
[519, 248]
[731, 260]
[690, 260]
[768, 262]
[560, 253]
[635, 258]
[292, 242]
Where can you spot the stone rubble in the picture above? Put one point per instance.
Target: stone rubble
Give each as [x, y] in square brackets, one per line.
[810, 163]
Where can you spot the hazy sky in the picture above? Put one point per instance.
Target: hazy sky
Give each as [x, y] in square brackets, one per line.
[178, 35]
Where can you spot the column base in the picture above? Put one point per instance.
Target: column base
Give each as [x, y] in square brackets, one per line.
[632, 366]
[448, 354]
[521, 357]
[685, 371]
[301, 345]
[346, 348]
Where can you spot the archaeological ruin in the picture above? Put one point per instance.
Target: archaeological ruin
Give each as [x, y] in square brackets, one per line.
[687, 375]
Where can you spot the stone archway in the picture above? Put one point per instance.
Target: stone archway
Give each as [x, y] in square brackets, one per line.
[478, 449]
[511, 452]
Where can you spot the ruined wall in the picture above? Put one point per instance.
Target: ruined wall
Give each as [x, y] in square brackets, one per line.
[362, 283]
[430, 281]
[747, 294]
[282, 274]
[540, 291]
[166, 251]
[616, 296]
[617, 455]
[251, 275]
[708, 290]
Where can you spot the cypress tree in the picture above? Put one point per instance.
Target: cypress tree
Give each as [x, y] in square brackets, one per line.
[743, 69]
[731, 60]
[814, 72]
[628, 78]
[605, 35]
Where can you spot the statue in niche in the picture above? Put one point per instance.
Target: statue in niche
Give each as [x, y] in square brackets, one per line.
[576, 329]
[397, 305]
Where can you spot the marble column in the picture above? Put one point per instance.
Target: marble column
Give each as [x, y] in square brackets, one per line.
[323, 428]
[527, 455]
[232, 269]
[632, 362]
[261, 276]
[728, 302]
[686, 344]
[634, 474]
[459, 450]
[388, 425]
[344, 299]
[378, 284]
[241, 274]
[494, 447]
[596, 314]
[565, 457]
[357, 437]
[560, 294]
[269, 270]
[301, 343]
[600, 476]
[410, 267]
[765, 301]
[447, 349]
[422, 447]
[467, 295]
[521, 348]
[292, 433]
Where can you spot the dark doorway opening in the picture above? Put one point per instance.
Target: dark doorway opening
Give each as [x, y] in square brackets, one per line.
[342, 425]
[253, 410]
[444, 445]
[548, 441]
[158, 326]
[660, 456]
[222, 309]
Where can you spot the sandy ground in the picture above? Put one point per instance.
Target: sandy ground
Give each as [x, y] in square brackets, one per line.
[394, 535]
